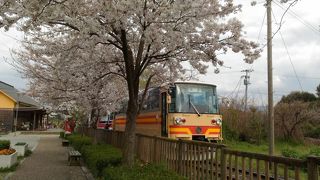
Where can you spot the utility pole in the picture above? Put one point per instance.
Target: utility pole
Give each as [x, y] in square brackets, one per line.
[270, 81]
[246, 82]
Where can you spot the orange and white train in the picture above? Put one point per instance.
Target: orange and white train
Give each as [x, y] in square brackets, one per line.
[180, 110]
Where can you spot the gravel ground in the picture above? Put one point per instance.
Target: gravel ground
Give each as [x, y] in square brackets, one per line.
[48, 161]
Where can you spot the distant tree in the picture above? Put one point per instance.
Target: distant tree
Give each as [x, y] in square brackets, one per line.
[243, 125]
[290, 118]
[318, 91]
[298, 96]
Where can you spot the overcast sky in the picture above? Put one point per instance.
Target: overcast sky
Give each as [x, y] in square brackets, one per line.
[301, 35]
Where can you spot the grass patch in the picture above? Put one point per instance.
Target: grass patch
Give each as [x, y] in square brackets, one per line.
[282, 148]
[19, 158]
[27, 153]
[141, 172]
[247, 147]
[9, 169]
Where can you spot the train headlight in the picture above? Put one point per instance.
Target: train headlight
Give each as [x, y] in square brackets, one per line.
[219, 121]
[179, 120]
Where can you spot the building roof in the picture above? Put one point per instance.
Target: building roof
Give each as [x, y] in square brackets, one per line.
[17, 96]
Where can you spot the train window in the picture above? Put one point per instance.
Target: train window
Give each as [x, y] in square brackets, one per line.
[152, 100]
[196, 97]
[172, 93]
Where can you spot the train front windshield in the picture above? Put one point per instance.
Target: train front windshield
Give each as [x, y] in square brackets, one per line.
[196, 98]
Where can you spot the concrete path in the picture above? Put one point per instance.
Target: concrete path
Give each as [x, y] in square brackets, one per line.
[49, 162]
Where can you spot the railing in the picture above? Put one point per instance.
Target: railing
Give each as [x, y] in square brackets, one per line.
[202, 160]
[313, 167]
[259, 166]
[192, 159]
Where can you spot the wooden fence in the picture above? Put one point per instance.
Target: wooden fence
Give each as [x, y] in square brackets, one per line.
[202, 160]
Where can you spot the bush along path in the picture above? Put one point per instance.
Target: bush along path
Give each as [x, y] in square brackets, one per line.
[104, 161]
[48, 161]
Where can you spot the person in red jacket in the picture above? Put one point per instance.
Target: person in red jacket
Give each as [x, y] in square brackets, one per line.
[72, 124]
[67, 127]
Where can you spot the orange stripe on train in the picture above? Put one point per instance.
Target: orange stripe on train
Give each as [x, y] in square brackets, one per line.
[141, 120]
[207, 130]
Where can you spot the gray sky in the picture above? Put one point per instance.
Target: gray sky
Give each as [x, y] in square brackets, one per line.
[301, 35]
[9, 41]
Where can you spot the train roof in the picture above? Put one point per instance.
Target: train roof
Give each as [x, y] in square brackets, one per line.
[194, 82]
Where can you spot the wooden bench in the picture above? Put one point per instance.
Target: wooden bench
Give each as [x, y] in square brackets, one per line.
[65, 142]
[74, 157]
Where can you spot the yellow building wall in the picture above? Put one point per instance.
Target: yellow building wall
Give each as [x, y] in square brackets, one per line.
[5, 101]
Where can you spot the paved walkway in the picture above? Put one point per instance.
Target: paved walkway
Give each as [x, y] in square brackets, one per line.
[49, 162]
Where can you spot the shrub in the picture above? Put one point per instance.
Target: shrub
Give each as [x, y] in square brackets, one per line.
[314, 133]
[97, 157]
[4, 144]
[27, 153]
[62, 134]
[290, 153]
[141, 172]
[78, 141]
[229, 133]
[20, 143]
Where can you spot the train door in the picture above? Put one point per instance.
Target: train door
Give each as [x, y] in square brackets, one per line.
[164, 131]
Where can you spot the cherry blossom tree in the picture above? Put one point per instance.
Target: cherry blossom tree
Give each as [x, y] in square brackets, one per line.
[63, 81]
[134, 36]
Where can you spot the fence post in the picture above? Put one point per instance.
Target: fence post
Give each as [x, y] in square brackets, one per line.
[137, 146]
[312, 168]
[154, 149]
[95, 136]
[223, 163]
[179, 155]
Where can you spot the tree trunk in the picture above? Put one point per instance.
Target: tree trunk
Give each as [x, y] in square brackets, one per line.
[130, 131]
[132, 77]
[130, 134]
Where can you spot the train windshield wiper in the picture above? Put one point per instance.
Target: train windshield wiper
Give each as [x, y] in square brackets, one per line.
[193, 106]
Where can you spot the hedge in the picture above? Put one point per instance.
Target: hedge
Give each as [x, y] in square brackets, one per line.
[62, 135]
[79, 141]
[141, 172]
[98, 157]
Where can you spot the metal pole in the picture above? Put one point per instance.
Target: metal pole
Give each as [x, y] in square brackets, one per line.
[16, 119]
[34, 120]
[246, 93]
[270, 81]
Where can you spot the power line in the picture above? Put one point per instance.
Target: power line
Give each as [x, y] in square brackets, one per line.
[297, 17]
[264, 16]
[239, 82]
[280, 24]
[236, 96]
[285, 46]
